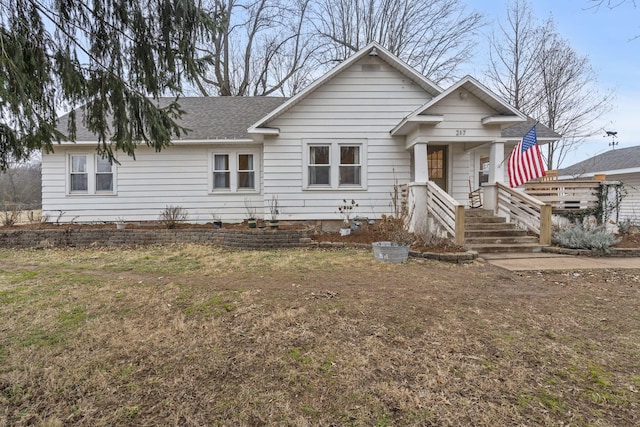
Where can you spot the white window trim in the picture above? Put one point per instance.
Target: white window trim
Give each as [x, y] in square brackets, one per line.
[92, 169]
[234, 154]
[334, 159]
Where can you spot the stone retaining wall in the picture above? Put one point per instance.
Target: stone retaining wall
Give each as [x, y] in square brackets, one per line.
[79, 237]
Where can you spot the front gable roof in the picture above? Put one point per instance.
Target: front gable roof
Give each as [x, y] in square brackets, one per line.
[618, 161]
[372, 49]
[505, 113]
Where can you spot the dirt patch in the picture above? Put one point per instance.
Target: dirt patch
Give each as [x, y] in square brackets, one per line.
[193, 335]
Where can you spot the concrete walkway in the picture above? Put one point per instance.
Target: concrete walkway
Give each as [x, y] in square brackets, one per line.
[549, 261]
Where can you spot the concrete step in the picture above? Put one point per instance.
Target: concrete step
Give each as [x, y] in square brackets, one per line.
[511, 240]
[493, 248]
[496, 233]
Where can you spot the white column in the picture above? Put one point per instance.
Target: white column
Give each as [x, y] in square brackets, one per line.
[421, 172]
[496, 162]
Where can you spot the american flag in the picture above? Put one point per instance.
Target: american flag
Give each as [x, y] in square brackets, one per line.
[525, 161]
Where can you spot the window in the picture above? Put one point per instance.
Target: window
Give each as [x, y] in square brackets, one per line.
[349, 165]
[319, 165]
[90, 174]
[104, 175]
[79, 175]
[246, 173]
[221, 172]
[233, 170]
[335, 165]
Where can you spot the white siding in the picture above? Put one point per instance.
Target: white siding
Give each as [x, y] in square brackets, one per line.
[630, 205]
[462, 120]
[359, 104]
[177, 176]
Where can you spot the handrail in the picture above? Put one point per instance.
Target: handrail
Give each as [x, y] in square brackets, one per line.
[446, 211]
[534, 214]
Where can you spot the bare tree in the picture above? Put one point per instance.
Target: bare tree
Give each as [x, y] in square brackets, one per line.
[21, 185]
[570, 98]
[596, 4]
[538, 71]
[433, 36]
[513, 65]
[260, 48]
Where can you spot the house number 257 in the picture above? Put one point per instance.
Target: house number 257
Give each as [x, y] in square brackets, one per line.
[461, 132]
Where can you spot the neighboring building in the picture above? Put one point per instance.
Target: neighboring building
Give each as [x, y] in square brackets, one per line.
[620, 164]
[368, 123]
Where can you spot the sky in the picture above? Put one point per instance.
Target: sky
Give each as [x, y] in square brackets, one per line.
[606, 36]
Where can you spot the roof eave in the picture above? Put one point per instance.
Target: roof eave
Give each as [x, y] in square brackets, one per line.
[410, 123]
[264, 131]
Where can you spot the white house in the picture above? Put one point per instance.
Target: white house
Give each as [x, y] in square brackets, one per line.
[368, 123]
[621, 165]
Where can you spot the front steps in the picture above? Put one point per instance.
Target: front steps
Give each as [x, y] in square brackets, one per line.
[485, 233]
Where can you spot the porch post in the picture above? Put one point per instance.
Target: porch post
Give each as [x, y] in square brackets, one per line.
[418, 189]
[421, 171]
[496, 174]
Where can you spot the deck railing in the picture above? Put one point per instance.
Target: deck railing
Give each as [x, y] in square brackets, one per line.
[565, 195]
[521, 208]
[446, 211]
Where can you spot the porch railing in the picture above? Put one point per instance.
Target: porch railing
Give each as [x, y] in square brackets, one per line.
[565, 195]
[524, 209]
[446, 211]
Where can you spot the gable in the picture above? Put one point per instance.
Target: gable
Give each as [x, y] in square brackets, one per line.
[466, 106]
[368, 60]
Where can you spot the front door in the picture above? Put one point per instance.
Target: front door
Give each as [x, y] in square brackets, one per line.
[437, 164]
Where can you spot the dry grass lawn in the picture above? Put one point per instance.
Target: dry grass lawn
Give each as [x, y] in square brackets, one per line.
[196, 335]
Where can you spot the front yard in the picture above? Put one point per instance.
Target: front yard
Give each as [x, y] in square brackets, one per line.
[198, 335]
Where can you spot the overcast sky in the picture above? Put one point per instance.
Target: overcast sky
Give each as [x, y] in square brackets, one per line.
[606, 36]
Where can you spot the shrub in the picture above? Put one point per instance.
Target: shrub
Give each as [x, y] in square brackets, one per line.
[581, 237]
[172, 216]
[11, 214]
[625, 226]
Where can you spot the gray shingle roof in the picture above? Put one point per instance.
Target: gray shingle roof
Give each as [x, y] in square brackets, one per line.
[519, 130]
[621, 158]
[208, 118]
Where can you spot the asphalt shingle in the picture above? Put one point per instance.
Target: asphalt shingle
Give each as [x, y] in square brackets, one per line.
[621, 158]
[208, 118]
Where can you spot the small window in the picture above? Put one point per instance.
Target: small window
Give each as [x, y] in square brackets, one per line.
[79, 174]
[221, 172]
[246, 172]
[350, 165]
[319, 165]
[104, 175]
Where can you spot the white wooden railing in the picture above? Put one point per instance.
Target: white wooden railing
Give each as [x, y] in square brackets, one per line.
[446, 211]
[521, 208]
[565, 195]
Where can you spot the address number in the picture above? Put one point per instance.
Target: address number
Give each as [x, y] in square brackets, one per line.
[461, 132]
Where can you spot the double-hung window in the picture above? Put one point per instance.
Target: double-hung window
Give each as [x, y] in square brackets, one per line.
[246, 172]
[104, 175]
[319, 165]
[79, 179]
[234, 170]
[221, 172]
[335, 164]
[350, 167]
[90, 174]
